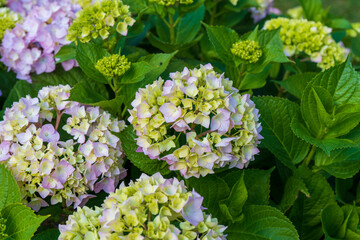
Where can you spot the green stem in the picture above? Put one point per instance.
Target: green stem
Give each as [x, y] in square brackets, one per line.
[280, 89]
[310, 156]
[213, 13]
[171, 28]
[241, 73]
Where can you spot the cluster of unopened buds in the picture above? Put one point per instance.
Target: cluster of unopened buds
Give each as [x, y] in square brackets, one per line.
[101, 19]
[60, 148]
[300, 36]
[200, 119]
[30, 46]
[247, 50]
[113, 66]
[150, 208]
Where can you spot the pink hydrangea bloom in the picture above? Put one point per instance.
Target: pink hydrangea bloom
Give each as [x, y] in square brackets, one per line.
[216, 125]
[32, 44]
[65, 168]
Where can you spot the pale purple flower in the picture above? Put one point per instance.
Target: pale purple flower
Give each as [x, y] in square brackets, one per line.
[180, 126]
[192, 211]
[4, 150]
[170, 111]
[100, 149]
[106, 184]
[49, 134]
[62, 171]
[221, 122]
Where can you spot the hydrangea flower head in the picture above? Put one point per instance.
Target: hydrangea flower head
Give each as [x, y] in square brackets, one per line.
[247, 50]
[59, 148]
[150, 208]
[172, 2]
[112, 66]
[219, 127]
[8, 19]
[300, 36]
[31, 45]
[101, 18]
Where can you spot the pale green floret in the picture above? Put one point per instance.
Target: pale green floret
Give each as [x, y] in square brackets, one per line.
[301, 36]
[296, 12]
[112, 66]
[102, 19]
[171, 2]
[3, 235]
[8, 20]
[247, 50]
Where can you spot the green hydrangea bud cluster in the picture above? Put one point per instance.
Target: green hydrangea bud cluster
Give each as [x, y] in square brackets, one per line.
[114, 65]
[296, 12]
[7, 19]
[172, 2]
[101, 19]
[247, 50]
[3, 235]
[311, 38]
[150, 208]
[84, 3]
[354, 31]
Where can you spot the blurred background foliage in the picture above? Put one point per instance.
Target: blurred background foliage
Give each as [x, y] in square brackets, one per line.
[345, 8]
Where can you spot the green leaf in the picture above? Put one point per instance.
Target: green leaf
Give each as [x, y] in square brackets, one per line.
[332, 218]
[87, 55]
[340, 223]
[342, 163]
[189, 26]
[293, 187]
[20, 89]
[313, 9]
[340, 23]
[254, 80]
[342, 82]
[316, 104]
[305, 214]
[136, 73]
[257, 183]
[168, 47]
[82, 93]
[9, 190]
[326, 145]
[66, 52]
[213, 189]
[262, 223]
[21, 221]
[276, 116]
[47, 234]
[232, 206]
[140, 160]
[222, 38]
[7, 82]
[159, 63]
[273, 52]
[296, 84]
